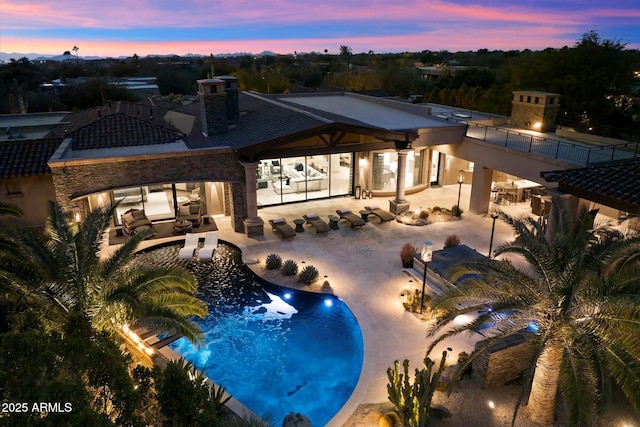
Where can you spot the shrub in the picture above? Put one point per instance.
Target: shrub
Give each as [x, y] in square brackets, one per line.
[390, 419]
[424, 214]
[309, 274]
[436, 209]
[273, 262]
[413, 299]
[456, 211]
[451, 241]
[289, 268]
[407, 253]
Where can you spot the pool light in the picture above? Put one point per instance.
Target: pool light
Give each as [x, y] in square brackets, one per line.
[287, 295]
[328, 302]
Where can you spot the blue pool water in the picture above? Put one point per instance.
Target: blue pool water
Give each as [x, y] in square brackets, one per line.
[276, 350]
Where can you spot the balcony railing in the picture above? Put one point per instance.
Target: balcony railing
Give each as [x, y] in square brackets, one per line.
[578, 153]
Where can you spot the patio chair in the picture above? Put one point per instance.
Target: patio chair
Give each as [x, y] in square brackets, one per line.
[380, 213]
[346, 214]
[191, 242]
[536, 205]
[314, 219]
[210, 245]
[280, 225]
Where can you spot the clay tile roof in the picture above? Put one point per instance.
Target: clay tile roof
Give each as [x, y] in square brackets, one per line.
[26, 157]
[120, 130]
[615, 185]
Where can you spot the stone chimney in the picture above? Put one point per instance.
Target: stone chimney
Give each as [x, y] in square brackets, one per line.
[219, 105]
[535, 110]
[233, 104]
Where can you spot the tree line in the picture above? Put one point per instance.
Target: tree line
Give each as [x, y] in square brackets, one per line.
[596, 78]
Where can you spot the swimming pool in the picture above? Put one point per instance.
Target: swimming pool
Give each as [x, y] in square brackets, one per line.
[276, 350]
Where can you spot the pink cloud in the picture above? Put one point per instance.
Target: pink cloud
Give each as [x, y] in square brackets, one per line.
[185, 14]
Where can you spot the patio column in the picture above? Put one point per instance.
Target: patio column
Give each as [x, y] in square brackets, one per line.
[480, 189]
[400, 204]
[253, 224]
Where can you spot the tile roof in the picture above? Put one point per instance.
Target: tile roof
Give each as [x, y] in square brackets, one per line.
[259, 121]
[121, 130]
[26, 157]
[618, 185]
[119, 124]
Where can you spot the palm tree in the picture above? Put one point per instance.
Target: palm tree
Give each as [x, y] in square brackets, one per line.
[580, 292]
[61, 271]
[9, 209]
[76, 49]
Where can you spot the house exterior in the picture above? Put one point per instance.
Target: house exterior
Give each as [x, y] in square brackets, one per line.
[233, 152]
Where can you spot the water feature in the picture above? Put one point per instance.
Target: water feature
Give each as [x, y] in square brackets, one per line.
[276, 350]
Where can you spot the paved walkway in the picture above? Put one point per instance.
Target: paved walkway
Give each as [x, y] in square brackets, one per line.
[364, 269]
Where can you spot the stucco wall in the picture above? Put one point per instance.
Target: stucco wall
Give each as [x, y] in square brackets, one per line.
[36, 192]
[73, 179]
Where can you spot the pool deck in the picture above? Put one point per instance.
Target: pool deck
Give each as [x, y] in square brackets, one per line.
[364, 269]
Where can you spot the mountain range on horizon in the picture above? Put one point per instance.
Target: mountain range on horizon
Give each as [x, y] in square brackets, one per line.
[6, 57]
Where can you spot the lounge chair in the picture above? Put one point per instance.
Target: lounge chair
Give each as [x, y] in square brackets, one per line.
[210, 245]
[191, 242]
[380, 213]
[315, 220]
[354, 219]
[279, 224]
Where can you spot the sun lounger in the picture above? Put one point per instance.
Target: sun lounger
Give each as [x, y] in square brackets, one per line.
[279, 224]
[315, 220]
[210, 245]
[191, 242]
[380, 213]
[355, 220]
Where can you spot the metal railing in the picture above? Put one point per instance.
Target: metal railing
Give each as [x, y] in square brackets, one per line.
[579, 153]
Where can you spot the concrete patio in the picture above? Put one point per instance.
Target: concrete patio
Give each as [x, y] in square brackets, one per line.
[364, 269]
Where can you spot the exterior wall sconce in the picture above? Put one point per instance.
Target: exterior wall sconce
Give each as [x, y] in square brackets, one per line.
[425, 255]
[76, 214]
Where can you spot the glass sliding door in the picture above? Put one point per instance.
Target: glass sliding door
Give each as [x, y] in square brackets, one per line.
[340, 174]
[317, 176]
[293, 179]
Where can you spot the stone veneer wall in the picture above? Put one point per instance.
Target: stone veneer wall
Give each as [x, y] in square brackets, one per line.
[213, 109]
[503, 362]
[75, 179]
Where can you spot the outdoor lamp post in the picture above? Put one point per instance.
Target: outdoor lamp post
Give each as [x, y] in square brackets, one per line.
[425, 256]
[460, 181]
[494, 216]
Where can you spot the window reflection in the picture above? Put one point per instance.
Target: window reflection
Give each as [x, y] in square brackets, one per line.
[293, 179]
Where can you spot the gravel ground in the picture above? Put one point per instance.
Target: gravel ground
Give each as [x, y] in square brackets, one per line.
[469, 406]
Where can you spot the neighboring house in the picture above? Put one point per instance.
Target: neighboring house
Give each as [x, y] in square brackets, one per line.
[233, 152]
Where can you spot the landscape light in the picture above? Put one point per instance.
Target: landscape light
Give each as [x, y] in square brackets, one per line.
[425, 255]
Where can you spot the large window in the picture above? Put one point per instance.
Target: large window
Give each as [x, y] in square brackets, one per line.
[385, 169]
[160, 202]
[292, 179]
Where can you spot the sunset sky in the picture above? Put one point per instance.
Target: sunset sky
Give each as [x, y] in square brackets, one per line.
[124, 27]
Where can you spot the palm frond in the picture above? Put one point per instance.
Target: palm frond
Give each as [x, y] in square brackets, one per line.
[9, 209]
[578, 387]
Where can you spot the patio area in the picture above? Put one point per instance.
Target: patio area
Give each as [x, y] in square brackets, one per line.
[363, 268]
